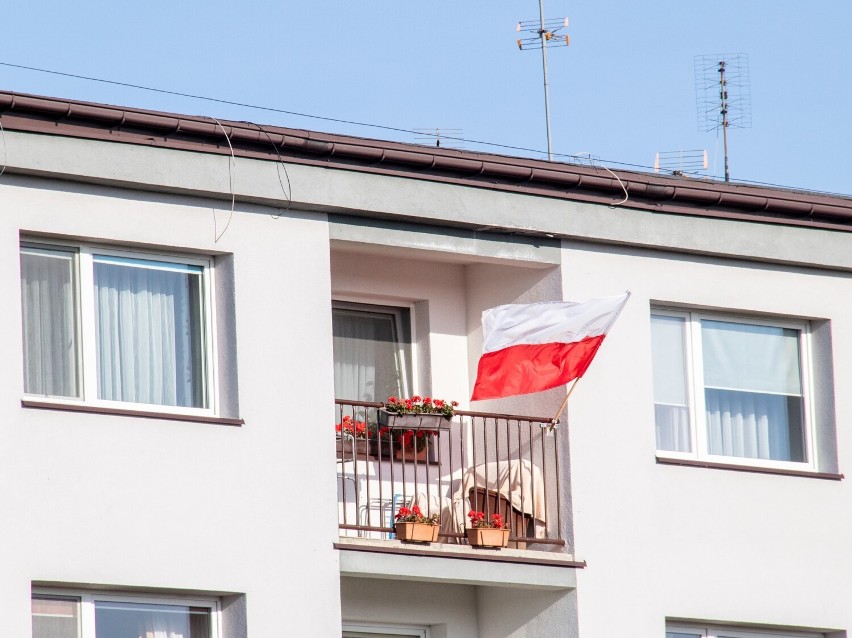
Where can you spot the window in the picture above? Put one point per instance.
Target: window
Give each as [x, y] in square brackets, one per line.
[361, 630]
[710, 631]
[372, 352]
[731, 388]
[57, 615]
[103, 326]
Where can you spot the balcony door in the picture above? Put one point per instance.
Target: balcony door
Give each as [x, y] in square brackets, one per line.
[372, 351]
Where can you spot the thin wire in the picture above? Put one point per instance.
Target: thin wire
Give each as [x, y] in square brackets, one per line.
[232, 173]
[569, 156]
[298, 114]
[288, 192]
[620, 183]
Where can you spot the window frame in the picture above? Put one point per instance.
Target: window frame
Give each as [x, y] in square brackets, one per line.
[378, 629]
[398, 310]
[86, 605]
[694, 369]
[733, 631]
[84, 308]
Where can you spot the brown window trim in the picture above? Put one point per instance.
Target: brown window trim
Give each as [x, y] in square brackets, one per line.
[664, 460]
[142, 414]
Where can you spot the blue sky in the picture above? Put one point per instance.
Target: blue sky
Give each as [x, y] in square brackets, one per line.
[622, 91]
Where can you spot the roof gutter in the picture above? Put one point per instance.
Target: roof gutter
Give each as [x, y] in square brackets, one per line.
[678, 195]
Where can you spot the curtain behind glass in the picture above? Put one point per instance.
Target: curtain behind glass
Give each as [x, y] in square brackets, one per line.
[671, 412]
[49, 322]
[367, 361]
[55, 618]
[149, 333]
[753, 391]
[142, 620]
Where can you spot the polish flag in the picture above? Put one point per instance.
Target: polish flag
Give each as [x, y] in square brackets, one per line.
[534, 347]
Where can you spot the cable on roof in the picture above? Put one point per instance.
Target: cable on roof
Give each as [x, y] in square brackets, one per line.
[232, 173]
[288, 192]
[568, 156]
[271, 109]
[620, 183]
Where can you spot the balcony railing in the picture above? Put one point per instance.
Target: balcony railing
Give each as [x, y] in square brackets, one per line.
[494, 463]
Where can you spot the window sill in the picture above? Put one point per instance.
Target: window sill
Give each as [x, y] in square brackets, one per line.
[665, 460]
[141, 414]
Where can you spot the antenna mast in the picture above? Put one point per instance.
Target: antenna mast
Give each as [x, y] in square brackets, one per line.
[546, 32]
[733, 107]
[723, 94]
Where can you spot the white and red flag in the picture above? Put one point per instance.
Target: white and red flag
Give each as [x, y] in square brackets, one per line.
[534, 347]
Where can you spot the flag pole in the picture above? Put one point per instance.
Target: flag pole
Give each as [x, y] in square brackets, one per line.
[565, 400]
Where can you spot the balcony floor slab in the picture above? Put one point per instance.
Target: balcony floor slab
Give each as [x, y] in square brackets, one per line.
[447, 563]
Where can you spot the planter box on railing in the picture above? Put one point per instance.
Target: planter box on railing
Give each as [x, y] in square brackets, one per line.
[348, 448]
[396, 421]
[487, 537]
[416, 532]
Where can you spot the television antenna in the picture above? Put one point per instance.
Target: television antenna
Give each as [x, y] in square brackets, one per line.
[722, 95]
[680, 162]
[440, 137]
[546, 33]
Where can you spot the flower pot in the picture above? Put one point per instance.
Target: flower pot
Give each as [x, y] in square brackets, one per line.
[410, 454]
[410, 421]
[349, 448]
[416, 532]
[487, 537]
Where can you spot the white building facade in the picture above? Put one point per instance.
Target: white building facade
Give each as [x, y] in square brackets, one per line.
[194, 305]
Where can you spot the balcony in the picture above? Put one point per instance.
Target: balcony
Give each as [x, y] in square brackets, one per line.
[493, 463]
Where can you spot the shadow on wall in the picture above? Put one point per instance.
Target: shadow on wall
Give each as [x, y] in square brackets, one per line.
[525, 613]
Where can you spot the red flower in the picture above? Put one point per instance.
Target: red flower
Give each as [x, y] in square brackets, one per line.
[391, 399]
[476, 518]
[356, 429]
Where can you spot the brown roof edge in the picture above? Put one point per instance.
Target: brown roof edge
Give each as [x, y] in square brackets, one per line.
[680, 195]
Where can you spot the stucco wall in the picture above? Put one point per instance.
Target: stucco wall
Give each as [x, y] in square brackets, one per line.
[127, 502]
[175, 506]
[684, 542]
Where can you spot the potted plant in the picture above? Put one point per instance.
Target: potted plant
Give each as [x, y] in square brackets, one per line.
[351, 438]
[415, 413]
[413, 445]
[485, 532]
[412, 526]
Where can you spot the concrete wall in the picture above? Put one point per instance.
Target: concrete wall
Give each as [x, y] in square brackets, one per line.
[175, 506]
[449, 611]
[684, 542]
[460, 611]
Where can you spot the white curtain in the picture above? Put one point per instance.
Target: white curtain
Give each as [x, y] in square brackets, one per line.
[142, 620]
[753, 391]
[49, 330]
[367, 364]
[54, 618]
[148, 334]
[749, 425]
[672, 428]
[670, 396]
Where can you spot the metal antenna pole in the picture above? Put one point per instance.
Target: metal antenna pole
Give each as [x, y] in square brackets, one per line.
[722, 86]
[541, 34]
[723, 94]
[545, 34]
